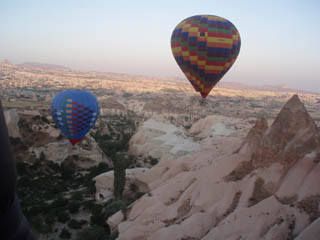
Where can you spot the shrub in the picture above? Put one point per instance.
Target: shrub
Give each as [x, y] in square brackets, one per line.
[37, 224]
[63, 217]
[15, 141]
[40, 227]
[65, 234]
[88, 205]
[21, 169]
[91, 188]
[44, 119]
[37, 117]
[113, 236]
[74, 207]
[77, 196]
[131, 160]
[139, 195]
[93, 232]
[59, 202]
[126, 95]
[154, 161]
[98, 219]
[114, 207]
[50, 219]
[33, 211]
[133, 187]
[101, 168]
[68, 167]
[74, 224]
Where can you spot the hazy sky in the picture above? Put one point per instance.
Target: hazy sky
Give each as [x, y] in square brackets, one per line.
[280, 38]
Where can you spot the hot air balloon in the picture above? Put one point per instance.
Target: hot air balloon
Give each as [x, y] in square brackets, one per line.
[75, 113]
[205, 47]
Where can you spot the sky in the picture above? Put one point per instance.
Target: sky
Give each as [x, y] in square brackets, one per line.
[280, 39]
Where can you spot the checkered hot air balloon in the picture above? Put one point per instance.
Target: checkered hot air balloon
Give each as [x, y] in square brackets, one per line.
[205, 47]
[75, 113]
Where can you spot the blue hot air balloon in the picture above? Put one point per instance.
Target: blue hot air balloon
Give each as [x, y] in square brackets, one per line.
[75, 113]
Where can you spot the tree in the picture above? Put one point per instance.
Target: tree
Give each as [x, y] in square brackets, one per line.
[42, 157]
[119, 171]
[74, 224]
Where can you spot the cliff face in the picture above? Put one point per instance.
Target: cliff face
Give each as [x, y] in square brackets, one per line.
[292, 135]
[266, 188]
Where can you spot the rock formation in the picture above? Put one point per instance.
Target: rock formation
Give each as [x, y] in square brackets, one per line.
[34, 135]
[12, 119]
[161, 140]
[292, 135]
[104, 183]
[86, 155]
[267, 189]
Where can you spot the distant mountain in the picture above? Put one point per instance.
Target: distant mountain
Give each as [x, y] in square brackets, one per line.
[238, 85]
[44, 66]
[222, 84]
[6, 63]
[272, 88]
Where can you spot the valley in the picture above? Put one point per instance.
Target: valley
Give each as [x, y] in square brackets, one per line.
[231, 162]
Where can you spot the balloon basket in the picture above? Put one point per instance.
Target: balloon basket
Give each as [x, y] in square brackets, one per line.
[203, 102]
[75, 148]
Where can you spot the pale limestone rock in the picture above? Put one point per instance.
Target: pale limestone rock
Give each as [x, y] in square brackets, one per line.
[252, 140]
[139, 232]
[104, 183]
[59, 151]
[30, 112]
[292, 135]
[312, 232]
[310, 184]
[220, 126]
[12, 119]
[47, 128]
[221, 145]
[237, 189]
[161, 140]
[296, 177]
[193, 227]
[115, 220]
[266, 220]
[56, 151]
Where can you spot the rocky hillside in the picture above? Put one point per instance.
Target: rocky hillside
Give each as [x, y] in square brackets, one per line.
[265, 187]
[33, 136]
[158, 138]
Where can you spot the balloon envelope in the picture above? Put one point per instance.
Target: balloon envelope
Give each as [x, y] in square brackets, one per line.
[205, 47]
[75, 113]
